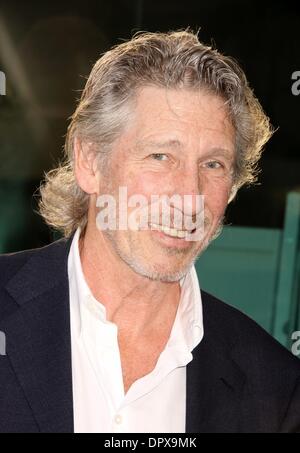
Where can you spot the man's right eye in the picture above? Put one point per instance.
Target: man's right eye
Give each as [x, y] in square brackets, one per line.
[158, 156]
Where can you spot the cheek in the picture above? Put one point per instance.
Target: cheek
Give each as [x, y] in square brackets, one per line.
[218, 207]
[216, 198]
[146, 184]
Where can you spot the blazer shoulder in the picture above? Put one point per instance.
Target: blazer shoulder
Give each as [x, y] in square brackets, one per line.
[11, 263]
[248, 341]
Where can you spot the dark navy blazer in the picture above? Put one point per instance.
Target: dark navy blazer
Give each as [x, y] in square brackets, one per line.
[240, 379]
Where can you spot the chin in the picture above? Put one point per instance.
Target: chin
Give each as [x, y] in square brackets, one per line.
[161, 271]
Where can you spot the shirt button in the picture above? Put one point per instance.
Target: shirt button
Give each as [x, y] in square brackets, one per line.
[118, 419]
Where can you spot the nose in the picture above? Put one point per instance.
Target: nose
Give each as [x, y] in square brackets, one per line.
[187, 200]
[189, 188]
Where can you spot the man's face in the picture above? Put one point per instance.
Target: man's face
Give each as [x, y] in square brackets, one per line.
[178, 142]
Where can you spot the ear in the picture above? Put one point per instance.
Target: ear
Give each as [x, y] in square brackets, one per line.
[85, 166]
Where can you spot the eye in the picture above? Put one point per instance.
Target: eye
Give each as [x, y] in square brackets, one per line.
[214, 165]
[159, 156]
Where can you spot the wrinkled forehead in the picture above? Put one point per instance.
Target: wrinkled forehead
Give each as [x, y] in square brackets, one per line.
[178, 118]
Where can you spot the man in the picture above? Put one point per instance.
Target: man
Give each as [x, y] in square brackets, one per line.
[107, 329]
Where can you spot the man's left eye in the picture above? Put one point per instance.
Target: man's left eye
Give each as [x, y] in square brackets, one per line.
[214, 164]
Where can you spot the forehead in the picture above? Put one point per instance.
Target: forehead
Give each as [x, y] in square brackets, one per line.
[180, 112]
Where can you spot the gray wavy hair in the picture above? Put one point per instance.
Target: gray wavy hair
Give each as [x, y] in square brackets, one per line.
[175, 59]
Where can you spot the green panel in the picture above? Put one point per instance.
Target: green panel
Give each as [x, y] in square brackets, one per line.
[241, 268]
[287, 300]
[296, 325]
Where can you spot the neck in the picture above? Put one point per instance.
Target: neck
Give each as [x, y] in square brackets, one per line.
[133, 302]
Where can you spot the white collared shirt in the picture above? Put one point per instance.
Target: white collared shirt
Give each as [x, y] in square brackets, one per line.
[155, 403]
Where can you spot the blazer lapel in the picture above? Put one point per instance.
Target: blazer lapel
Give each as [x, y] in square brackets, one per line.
[38, 337]
[214, 387]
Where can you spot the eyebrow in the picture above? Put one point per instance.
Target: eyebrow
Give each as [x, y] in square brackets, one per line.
[229, 155]
[174, 143]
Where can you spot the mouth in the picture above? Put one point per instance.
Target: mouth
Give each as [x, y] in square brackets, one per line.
[171, 232]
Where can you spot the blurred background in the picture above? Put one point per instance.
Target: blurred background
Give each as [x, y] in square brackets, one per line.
[47, 50]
